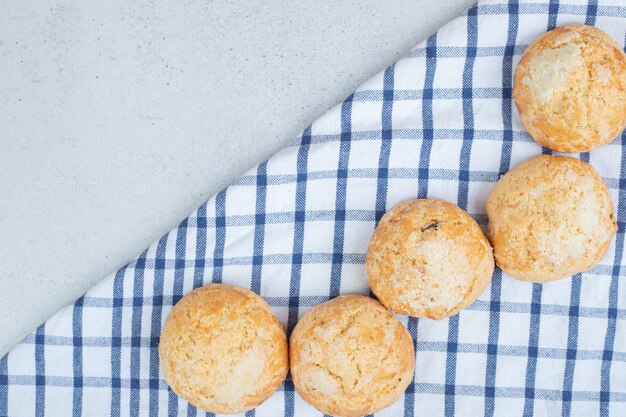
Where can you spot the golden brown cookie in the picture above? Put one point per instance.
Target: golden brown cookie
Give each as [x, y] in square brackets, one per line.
[428, 258]
[351, 357]
[570, 89]
[550, 217]
[223, 350]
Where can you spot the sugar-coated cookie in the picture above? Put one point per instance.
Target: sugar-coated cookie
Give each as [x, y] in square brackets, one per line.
[550, 217]
[428, 258]
[223, 349]
[351, 357]
[570, 89]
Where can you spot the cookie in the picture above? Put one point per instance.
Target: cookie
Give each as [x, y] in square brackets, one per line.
[428, 258]
[550, 217]
[570, 89]
[223, 350]
[351, 357]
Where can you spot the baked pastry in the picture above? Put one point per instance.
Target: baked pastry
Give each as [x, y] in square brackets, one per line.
[223, 350]
[351, 357]
[570, 89]
[428, 258]
[550, 217]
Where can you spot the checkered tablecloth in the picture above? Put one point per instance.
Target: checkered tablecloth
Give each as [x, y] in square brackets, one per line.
[438, 123]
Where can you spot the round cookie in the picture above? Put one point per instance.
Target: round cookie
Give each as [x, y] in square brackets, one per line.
[428, 258]
[351, 357]
[570, 89]
[550, 217]
[223, 350]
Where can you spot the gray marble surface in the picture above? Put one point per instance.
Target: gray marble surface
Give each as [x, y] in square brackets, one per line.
[118, 118]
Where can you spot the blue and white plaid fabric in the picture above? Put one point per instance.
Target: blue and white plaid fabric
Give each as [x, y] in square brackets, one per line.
[439, 123]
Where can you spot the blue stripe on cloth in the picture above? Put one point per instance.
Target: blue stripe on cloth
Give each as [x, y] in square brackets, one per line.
[289, 397]
[397, 172]
[220, 236]
[4, 386]
[423, 173]
[572, 344]
[507, 86]
[385, 144]
[155, 327]
[518, 351]
[575, 289]
[274, 259]
[451, 356]
[459, 51]
[296, 264]
[309, 301]
[466, 148]
[505, 163]
[533, 343]
[77, 361]
[592, 10]
[514, 392]
[178, 290]
[179, 286]
[440, 133]
[259, 228]
[590, 19]
[201, 240]
[298, 233]
[259, 236]
[584, 156]
[40, 371]
[135, 350]
[116, 340]
[492, 343]
[462, 347]
[421, 388]
[438, 93]
[364, 173]
[308, 258]
[553, 12]
[468, 107]
[609, 338]
[199, 270]
[422, 187]
[543, 8]
[546, 151]
[200, 264]
[409, 395]
[200, 261]
[286, 217]
[382, 182]
[340, 196]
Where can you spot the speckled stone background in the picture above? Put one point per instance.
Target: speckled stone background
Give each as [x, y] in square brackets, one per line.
[118, 118]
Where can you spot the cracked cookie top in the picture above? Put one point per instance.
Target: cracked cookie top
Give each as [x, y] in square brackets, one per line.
[550, 217]
[223, 350]
[428, 258]
[351, 357]
[570, 89]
